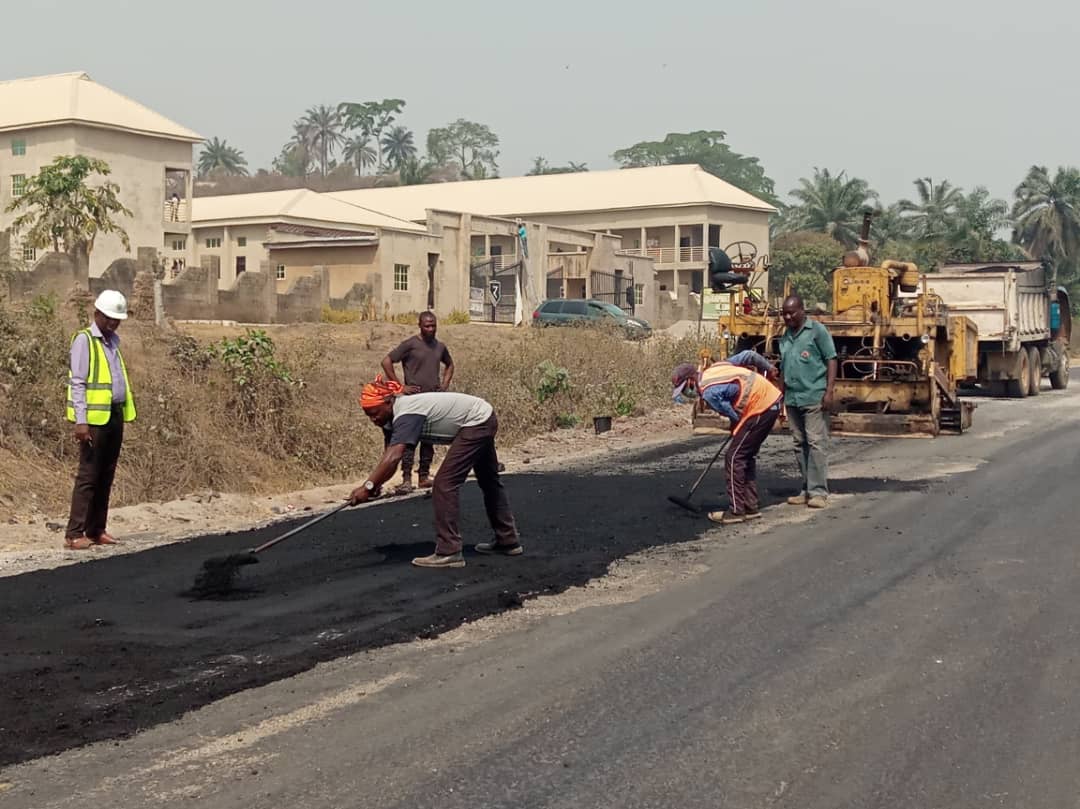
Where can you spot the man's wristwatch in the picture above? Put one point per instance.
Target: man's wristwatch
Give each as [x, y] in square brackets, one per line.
[369, 485]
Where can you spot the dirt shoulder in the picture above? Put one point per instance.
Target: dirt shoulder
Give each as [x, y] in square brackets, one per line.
[36, 542]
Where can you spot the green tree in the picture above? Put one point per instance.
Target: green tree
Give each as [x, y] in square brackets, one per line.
[217, 156]
[321, 129]
[707, 149]
[371, 118]
[294, 160]
[933, 217]
[471, 146]
[807, 260]
[830, 204]
[398, 146]
[358, 152]
[1047, 216]
[415, 172]
[60, 209]
[977, 220]
[541, 166]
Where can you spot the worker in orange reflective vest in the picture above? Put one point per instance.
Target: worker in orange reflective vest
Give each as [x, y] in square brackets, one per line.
[735, 388]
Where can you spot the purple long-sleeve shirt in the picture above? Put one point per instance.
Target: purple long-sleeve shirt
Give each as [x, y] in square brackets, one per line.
[80, 368]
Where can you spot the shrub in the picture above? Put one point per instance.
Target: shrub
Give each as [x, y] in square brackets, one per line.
[339, 316]
[457, 318]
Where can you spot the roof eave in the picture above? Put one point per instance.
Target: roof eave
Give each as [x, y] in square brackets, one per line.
[193, 138]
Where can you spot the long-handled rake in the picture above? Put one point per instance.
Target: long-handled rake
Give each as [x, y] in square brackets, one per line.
[219, 574]
[684, 502]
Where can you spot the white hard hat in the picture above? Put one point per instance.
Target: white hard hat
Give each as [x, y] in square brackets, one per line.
[112, 304]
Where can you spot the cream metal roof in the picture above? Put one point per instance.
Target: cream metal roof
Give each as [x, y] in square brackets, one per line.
[76, 98]
[298, 204]
[618, 189]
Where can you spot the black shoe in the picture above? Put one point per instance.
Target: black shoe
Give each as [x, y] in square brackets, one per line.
[504, 550]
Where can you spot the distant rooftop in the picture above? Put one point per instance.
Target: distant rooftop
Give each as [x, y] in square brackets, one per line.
[67, 98]
[618, 189]
[299, 204]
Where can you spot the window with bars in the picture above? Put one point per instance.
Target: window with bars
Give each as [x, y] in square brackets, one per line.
[241, 241]
[401, 277]
[639, 294]
[18, 148]
[179, 245]
[29, 254]
[18, 185]
[279, 273]
[213, 243]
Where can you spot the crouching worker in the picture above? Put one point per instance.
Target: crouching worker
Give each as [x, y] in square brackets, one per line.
[468, 424]
[735, 389]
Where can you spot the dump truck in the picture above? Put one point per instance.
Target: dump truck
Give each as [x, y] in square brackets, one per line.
[1023, 320]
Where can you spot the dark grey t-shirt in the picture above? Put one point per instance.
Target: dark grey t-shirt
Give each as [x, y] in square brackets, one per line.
[421, 362]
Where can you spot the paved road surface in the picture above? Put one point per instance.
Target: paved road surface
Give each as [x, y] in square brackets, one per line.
[916, 645]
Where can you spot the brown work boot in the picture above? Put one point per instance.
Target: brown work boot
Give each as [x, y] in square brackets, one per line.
[426, 482]
[798, 500]
[77, 543]
[817, 502]
[440, 560]
[405, 487]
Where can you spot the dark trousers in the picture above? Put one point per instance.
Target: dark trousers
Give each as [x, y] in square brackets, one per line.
[427, 455]
[740, 462]
[472, 450]
[94, 480]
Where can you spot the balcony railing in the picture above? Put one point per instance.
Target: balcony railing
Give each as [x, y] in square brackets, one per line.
[671, 255]
[501, 260]
[177, 211]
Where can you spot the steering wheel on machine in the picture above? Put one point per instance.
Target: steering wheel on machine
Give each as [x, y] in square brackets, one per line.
[743, 254]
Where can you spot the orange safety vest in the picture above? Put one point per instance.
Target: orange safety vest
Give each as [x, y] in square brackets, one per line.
[756, 393]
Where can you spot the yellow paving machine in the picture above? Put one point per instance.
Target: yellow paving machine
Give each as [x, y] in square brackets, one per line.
[901, 354]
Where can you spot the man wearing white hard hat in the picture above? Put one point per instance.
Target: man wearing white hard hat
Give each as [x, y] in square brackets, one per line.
[99, 403]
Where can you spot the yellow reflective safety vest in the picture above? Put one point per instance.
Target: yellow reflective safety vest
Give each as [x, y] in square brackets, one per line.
[99, 385]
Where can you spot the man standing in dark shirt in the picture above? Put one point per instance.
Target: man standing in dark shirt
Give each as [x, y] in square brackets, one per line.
[420, 357]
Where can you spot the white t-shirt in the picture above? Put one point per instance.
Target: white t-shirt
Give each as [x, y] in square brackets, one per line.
[435, 418]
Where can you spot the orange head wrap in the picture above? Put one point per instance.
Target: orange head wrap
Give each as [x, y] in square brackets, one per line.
[375, 393]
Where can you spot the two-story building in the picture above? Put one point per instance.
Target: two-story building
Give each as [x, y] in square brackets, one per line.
[150, 158]
[672, 214]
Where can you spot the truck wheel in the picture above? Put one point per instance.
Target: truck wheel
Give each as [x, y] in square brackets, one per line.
[1018, 388]
[1059, 379]
[1035, 363]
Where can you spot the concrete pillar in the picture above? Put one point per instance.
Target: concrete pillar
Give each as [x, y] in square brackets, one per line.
[487, 245]
[705, 240]
[643, 241]
[228, 265]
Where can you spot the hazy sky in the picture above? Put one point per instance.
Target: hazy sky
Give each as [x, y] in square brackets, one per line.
[970, 91]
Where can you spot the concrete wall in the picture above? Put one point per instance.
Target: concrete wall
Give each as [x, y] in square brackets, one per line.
[345, 266]
[304, 299]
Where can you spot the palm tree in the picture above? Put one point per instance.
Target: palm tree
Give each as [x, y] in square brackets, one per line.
[831, 204]
[398, 146]
[322, 128]
[218, 156]
[976, 224]
[358, 151]
[889, 225]
[1047, 215]
[934, 215]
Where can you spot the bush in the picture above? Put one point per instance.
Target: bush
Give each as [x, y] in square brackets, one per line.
[457, 318]
[339, 316]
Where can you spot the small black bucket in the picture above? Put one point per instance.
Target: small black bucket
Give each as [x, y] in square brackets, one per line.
[602, 424]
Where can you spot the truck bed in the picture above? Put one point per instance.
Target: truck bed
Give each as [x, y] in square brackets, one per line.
[1008, 303]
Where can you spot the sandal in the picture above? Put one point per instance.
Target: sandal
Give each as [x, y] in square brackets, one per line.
[77, 543]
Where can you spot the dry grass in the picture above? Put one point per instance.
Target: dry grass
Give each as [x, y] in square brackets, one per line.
[197, 429]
